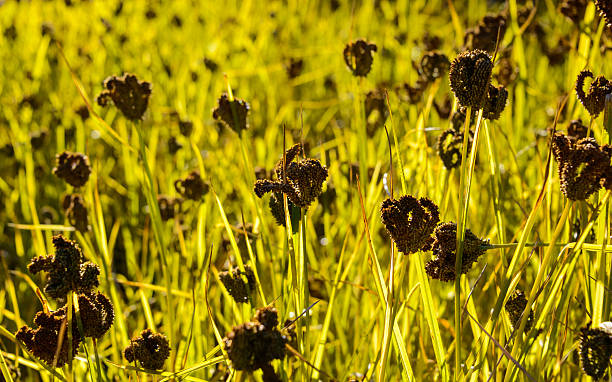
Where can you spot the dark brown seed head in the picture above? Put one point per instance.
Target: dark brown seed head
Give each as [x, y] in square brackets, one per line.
[595, 350]
[583, 164]
[412, 93]
[185, 127]
[495, 102]
[97, 314]
[469, 77]
[150, 349]
[44, 340]
[75, 209]
[268, 317]
[433, 65]
[376, 109]
[192, 187]
[232, 114]
[449, 147]
[294, 67]
[38, 138]
[409, 221]
[358, 57]
[67, 269]
[83, 112]
[573, 9]
[484, 35]
[577, 130]
[444, 247]
[595, 99]
[605, 9]
[128, 94]
[73, 168]
[239, 284]
[168, 206]
[277, 208]
[515, 306]
[506, 72]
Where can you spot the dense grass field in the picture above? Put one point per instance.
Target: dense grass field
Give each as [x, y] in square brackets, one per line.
[273, 190]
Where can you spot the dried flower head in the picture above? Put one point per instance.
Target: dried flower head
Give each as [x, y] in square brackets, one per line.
[185, 127]
[484, 35]
[469, 77]
[128, 94]
[595, 99]
[192, 187]
[67, 270]
[150, 349]
[75, 209]
[605, 9]
[97, 314]
[168, 206]
[277, 208]
[577, 130]
[254, 344]
[73, 168]
[409, 221]
[515, 306]
[83, 112]
[433, 65]
[358, 57]
[232, 113]
[412, 93]
[573, 9]
[294, 67]
[301, 181]
[595, 351]
[238, 283]
[375, 109]
[506, 72]
[449, 147]
[582, 165]
[495, 102]
[444, 247]
[44, 340]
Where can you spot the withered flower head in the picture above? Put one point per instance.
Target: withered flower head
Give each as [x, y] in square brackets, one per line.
[469, 77]
[128, 94]
[495, 102]
[444, 247]
[506, 72]
[449, 147]
[409, 221]
[301, 181]
[185, 127]
[192, 187]
[254, 344]
[515, 306]
[577, 130]
[484, 35]
[573, 9]
[232, 114]
[97, 314]
[44, 340]
[168, 206]
[412, 93]
[595, 99]
[294, 67]
[358, 57]
[433, 65]
[239, 284]
[73, 168]
[595, 351]
[376, 108]
[67, 270]
[150, 349]
[605, 9]
[582, 165]
[277, 208]
[75, 209]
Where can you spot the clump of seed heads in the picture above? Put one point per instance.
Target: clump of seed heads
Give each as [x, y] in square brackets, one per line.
[232, 113]
[75, 209]
[150, 349]
[358, 57]
[128, 94]
[192, 186]
[238, 284]
[515, 306]
[594, 100]
[595, 350]
[73, 168]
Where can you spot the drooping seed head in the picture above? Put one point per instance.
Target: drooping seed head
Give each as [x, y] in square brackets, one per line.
[469, 77]
[128, 94]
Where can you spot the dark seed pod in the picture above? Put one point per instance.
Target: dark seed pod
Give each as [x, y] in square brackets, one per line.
[254, 344]
[185, 127]
[44, 340]
[168, 206]
[75, 209]
[210, 64]
[376, 110]
[409, 221]
[515, 306]
[484, 35]
[444, 247]
[232, 113]
[277, 208]
[412, 93]
[73, 168]
[449, 147]
[582, 165]
[67, 270]
[150, 349]
[238, 286]
[577, 130]
[495, 102]
[469, 77]
[506, 72]
[37, 139]
[301, 181]
[128, 94]
[595, 351]
[433, 65]
[83, 112]
[358, 57]
[294, 67]
[595, 99]
[173, 145]
[192, 187]
[97, 314]
[574, 9]
[605, 9]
